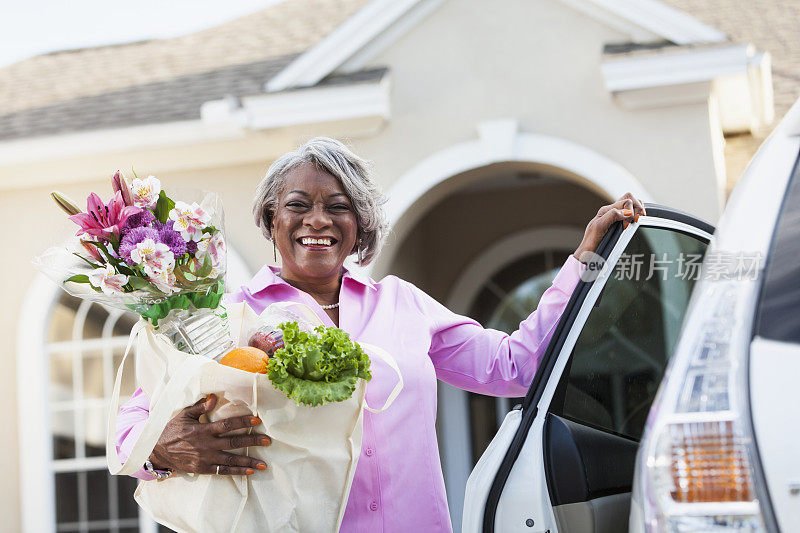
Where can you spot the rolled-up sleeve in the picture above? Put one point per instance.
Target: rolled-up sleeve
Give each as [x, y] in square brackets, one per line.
[130, 422]
[487, 361]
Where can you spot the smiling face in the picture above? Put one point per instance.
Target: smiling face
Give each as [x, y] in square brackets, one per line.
[314, 225]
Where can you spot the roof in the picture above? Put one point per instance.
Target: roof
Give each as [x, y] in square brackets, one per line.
[769, 25]
[177, 99]
[274, 33]
[170, 100]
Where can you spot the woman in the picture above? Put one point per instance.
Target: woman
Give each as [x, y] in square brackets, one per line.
[318, 205]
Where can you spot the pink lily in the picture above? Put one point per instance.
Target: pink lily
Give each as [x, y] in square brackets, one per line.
[103, 220]
[94, 252]
[120, 184]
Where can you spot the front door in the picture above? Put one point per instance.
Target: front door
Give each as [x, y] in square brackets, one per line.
[564, 459]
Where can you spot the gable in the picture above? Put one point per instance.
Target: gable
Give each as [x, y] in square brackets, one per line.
[375, 27]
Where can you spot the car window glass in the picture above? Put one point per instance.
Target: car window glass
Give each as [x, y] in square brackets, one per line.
[777, 316]
[619, 358]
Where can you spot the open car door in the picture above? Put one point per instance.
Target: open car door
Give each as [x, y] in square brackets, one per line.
[564, 459]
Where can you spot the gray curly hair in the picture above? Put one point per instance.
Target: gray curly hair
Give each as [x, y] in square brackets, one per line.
[355, 175]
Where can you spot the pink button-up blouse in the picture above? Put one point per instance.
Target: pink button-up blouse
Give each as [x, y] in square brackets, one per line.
[398, 483]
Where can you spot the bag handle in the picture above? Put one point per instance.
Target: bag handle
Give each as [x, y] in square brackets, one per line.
[160, 414]
[386, 357]
[112, 457]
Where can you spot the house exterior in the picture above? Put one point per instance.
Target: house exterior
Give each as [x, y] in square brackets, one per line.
[497, 132]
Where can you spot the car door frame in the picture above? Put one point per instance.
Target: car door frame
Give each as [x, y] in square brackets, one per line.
[556, 356]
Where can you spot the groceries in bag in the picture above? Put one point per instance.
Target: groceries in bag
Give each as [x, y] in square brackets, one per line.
[314, 450]
[246, 358]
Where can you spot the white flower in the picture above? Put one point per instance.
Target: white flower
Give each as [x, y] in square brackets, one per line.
[145, 192]
[158, 262]
[155, 257]
[164, 280]
[189, 220]
[214, 248]
[107, 280]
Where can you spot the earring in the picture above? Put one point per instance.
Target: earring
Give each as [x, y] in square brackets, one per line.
[360, 259]
[274, 251]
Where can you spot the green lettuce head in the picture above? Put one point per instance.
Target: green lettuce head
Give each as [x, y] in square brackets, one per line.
[317, 369]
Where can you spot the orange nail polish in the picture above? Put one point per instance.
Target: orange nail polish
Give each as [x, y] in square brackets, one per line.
[255, 421]
[250, 471]
[624, 225]
[636, 219]
[261, 466]
[627, 212]
[265, 441]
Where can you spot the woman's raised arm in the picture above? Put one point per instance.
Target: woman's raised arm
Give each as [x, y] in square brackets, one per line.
[488, 361]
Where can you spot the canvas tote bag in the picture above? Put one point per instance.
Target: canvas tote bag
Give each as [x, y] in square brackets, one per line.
[310, 463]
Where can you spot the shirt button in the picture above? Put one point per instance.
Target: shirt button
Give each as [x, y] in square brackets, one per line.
[369, 452]
[373, 506]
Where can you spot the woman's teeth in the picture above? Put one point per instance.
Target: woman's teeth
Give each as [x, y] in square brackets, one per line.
[317, 242]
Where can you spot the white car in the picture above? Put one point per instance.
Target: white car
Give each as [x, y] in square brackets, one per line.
[695, 371]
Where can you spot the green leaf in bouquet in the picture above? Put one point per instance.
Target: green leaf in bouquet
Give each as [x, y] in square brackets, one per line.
[156, 311]
[163, 206]
[82, 278]
[211, 230]
[93, 265]
[122, 268]
[139, 283]
[180, 275]
[102, 247]
[205, 270]
[210, 299]
[179, 301]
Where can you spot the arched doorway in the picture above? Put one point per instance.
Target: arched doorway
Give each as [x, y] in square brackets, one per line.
[499, 149]
[483, 227]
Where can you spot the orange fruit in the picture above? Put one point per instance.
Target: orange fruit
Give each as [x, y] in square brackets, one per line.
[247, 358]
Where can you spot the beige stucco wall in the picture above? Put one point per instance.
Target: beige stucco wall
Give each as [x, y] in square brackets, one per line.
[469, 61]
[461, 66]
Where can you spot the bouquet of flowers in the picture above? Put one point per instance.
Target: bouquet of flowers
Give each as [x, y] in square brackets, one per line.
[144, 251]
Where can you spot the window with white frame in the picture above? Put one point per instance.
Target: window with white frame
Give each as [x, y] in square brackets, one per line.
[84, 345]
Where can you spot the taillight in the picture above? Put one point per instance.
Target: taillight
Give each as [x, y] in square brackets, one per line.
[708, 463]
[695, 470]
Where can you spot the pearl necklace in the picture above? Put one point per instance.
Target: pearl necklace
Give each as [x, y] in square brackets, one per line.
[332, 306]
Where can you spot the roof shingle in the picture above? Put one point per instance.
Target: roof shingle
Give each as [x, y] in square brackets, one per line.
[279, 31]
[164, 101]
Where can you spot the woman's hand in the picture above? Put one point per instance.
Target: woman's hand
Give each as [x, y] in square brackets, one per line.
[627, 208]
[188, 445]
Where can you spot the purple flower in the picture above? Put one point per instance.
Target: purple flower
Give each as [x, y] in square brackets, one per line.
[173, 239]
[134, 237]
[191, 247]
[143, 218]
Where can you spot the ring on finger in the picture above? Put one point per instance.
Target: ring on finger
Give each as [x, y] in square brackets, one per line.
[217, 469]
